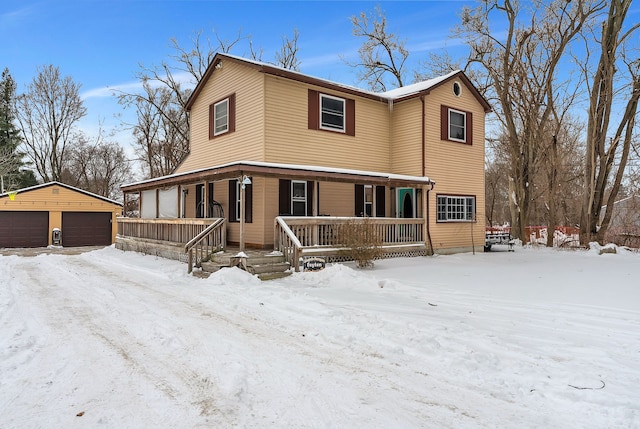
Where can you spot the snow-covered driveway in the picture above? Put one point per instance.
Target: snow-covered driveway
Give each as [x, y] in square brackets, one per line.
[525, 339]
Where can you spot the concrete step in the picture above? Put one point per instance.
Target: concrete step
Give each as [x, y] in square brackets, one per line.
[273, 276]
[211, 267]
[258, 259]
[276, 267]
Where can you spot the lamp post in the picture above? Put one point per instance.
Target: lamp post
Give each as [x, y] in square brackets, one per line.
[244, 182]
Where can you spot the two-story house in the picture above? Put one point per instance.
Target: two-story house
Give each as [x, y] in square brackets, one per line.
[274, 143]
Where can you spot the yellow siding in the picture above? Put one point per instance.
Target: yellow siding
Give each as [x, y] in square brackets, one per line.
[289, 140]
[254, 231]
[56, 200]
[406, 141]
[272, 126]
[457, 168]
[246, 143]
[337, 199]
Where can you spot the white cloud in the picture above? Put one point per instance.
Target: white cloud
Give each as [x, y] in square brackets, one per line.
[133, 87]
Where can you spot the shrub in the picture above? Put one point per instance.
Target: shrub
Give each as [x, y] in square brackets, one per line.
[362, 241]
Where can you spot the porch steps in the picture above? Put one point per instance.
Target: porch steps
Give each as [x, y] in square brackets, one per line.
[267, 266]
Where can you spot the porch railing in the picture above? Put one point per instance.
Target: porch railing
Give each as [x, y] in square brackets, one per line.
[199, 248]
[294, 236]
[174, 230]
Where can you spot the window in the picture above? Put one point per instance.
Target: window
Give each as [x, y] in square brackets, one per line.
[234, 202]
[237, 202]
[456, 125]
[298, 198]
[456, 208]
[222, 116]
[332, 113]
[368, 200]
[457, 89]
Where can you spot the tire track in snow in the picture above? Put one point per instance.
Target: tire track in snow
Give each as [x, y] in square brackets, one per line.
[330, 358]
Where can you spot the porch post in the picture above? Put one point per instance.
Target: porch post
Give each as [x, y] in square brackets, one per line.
[314, 211]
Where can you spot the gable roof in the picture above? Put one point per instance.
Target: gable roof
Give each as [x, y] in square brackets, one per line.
[395, 95]
[63, 185]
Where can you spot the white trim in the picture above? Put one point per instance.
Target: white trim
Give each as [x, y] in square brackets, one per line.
[344, 114]
[310, 168]
[215, 127]
[464, 116]
[293, 198]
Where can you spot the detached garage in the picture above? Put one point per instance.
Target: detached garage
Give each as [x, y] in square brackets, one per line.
[29, 216]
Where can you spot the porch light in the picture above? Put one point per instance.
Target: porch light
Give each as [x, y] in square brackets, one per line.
[245, 181]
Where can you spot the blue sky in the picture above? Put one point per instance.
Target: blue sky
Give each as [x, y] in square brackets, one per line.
[101, 43]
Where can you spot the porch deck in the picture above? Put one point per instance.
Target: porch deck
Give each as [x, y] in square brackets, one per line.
[199, 240]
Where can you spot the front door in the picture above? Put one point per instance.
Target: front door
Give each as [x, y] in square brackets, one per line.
[405, 207]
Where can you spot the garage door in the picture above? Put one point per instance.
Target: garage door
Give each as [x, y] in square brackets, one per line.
[86, 229]
[24, 229]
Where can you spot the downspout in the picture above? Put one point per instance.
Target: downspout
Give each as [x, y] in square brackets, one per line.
[424, 128]
[430, 251]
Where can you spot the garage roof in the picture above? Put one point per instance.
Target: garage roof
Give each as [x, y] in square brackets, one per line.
[63, 185]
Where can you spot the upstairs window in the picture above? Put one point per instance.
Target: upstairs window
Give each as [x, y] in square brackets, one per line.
[456, 125]
[332, 111]
[454, 208]
[222, 116]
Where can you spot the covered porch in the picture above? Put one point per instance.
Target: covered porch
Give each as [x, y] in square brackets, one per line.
[296, 210]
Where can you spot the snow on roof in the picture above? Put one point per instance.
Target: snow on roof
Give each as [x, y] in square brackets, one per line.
[300, 167]
[389, 95]
[64, 185]
[417, 87]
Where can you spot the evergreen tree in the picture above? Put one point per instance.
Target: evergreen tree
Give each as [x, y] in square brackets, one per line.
[13, 176]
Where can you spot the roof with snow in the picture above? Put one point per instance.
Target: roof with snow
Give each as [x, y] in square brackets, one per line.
[398, 94]
[286, 171]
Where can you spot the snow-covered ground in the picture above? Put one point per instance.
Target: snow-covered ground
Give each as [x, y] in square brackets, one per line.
[537, 338]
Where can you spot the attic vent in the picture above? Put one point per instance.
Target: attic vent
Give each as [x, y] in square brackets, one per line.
[457, 89]
[54, 190]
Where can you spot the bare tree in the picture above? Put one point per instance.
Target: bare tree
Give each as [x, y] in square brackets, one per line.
[604, 150]
[381, 54]
[287, 56]
[96, 166]
[162, 128]
[48, 114]
[522, 69]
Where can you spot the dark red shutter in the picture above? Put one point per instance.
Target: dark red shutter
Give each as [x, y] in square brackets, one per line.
[211, 121]
[309, 198]
[444, 122]
[469, 128]
[314, 110]
[359, 200]
[248, 203]
[232, 201]
[232, 112]
[380, 201]
[350, 117]
[284, 197]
